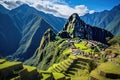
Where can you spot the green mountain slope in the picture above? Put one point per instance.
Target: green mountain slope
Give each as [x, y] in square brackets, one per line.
[108, 20]
[49, 52]
[30, 41]
[10, 35]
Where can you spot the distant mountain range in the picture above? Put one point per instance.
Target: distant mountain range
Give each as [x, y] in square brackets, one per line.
[23, 28]
[108, 19]
[52, 46]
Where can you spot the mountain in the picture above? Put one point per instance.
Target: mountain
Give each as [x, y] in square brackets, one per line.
[78, 28]
[30, 24]
[3, 9]
[9, 35]
[30, 41]
[108, 19]
[48, 36]
[49, 51]
[24, 13]
[52, 47]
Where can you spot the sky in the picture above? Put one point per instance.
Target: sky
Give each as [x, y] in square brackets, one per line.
[64, 8]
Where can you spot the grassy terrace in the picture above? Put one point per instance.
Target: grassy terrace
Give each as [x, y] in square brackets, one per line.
[94, 74]
[105, 69]
[109, 67]
[58, 76]
[8, 64]
[46, 76]
[117, 60]
[86, 47]
[29, 68]
[67, 51]
[83, 47]
[2, 61]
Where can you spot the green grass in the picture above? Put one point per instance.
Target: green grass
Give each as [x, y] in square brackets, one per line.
[67, 51]
[58, 76]
[83, 47]
[8, 64]
[86, 48]
[73, 57]
[46, 76]
[16, 78]
[95, 74]
[117, 60]
[29, 68]
[2, 61]
[109, 67]
[83, 77]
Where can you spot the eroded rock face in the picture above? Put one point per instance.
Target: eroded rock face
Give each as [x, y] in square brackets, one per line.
[78, 28]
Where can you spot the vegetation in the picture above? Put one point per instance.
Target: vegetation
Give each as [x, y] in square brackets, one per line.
[87, 47]
[106, 71]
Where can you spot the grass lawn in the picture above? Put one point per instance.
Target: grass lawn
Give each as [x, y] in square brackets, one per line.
[109, 67]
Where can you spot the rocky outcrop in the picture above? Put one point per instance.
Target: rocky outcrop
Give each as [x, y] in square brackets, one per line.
[78, 28]
[48, 36]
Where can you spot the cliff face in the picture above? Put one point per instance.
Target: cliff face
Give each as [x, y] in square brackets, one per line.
[78, 28]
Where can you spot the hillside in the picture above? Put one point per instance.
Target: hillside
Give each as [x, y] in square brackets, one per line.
[3, 9]
[10, 35]
[24, 14]
[52, 47]
[30, 24]
[108, 19]
[48, 51]
[30, 41]
[80, 63]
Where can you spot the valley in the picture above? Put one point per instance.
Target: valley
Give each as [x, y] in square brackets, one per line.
[39, 46]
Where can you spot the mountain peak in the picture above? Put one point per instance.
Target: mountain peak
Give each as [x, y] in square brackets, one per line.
[24, 5]
[73, 24]
[75, 27]
[48, 36]
[48, 31]
[3, 9]
[74, 17]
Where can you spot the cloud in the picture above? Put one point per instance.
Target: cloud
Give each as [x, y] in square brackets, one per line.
[56, 7]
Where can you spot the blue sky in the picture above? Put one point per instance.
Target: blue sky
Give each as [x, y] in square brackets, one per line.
[64, 8]
[97, 5]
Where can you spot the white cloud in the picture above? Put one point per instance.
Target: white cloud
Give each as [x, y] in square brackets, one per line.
[56, 7]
